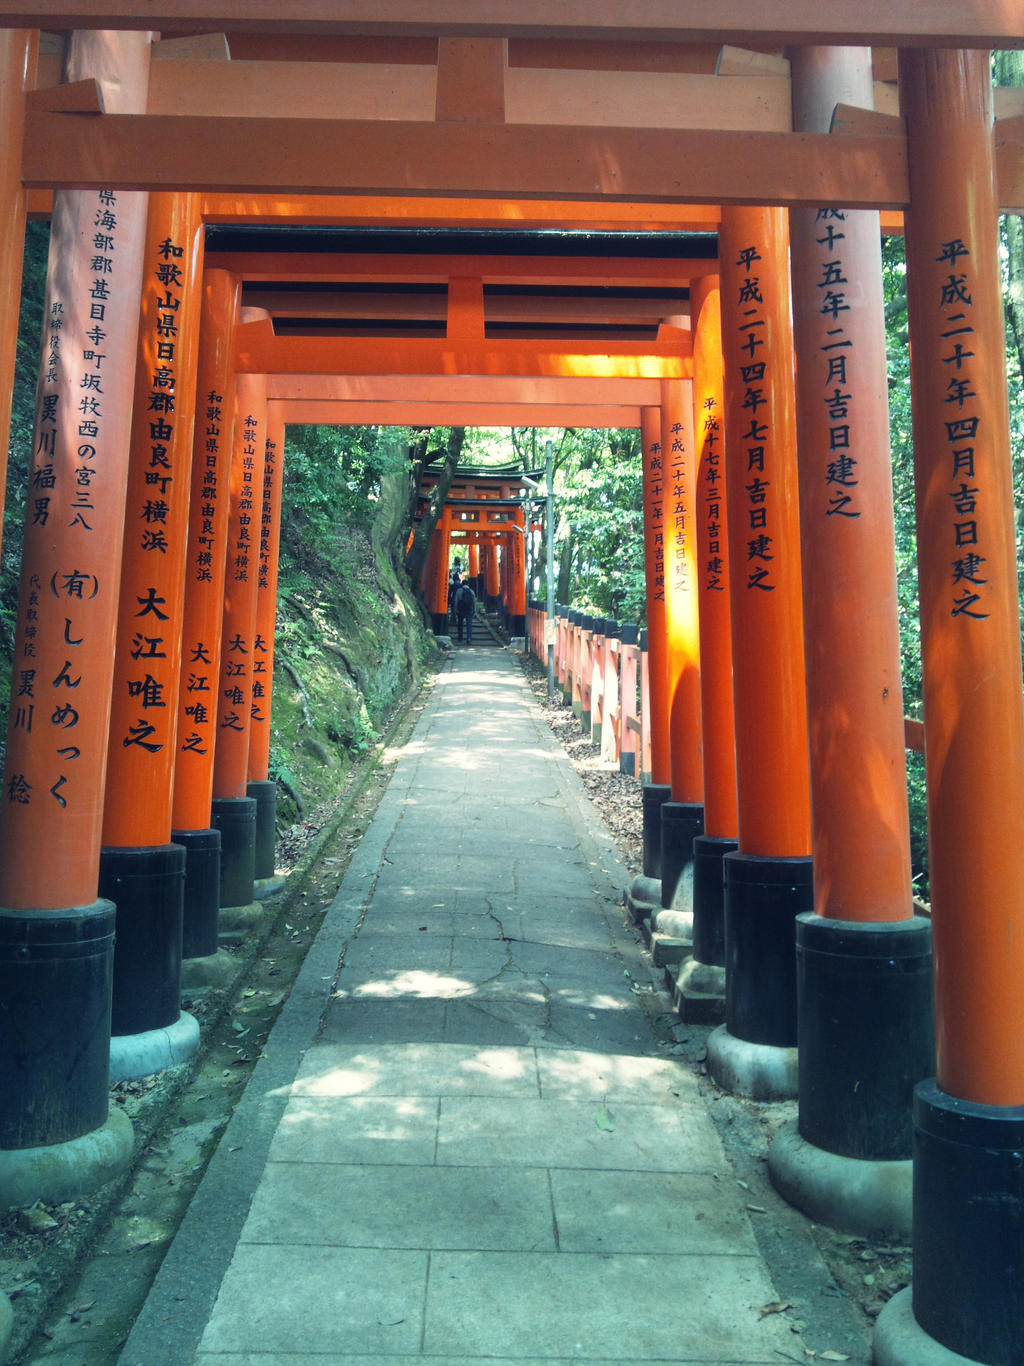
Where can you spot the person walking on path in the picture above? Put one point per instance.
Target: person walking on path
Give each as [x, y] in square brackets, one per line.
[465, 606]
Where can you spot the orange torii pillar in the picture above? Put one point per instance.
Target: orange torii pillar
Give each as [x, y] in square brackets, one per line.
[234, 813]
[57, 937]
[682, 816]
[141, 871]
[862, 943]
[516, 599]
[492, 574]
[658, 790]
[768, 879]
[968, 1288]
[435, 578]
[261, 787]
[476, 578]
[203, 612]
[701, 981]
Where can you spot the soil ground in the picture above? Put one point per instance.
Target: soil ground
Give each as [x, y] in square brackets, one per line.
[77, 1273]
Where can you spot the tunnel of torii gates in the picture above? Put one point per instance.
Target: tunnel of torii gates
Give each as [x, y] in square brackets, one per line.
[664, 215]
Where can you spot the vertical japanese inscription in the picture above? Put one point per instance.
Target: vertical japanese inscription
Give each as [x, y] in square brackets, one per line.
[714, 496]
[962, 423]
[841, 478]
[677, 465]
[656, 511]
[755, 440]
[150, 519]
[64, 486]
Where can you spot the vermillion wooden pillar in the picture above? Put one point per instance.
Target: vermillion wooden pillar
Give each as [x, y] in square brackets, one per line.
[18, 52]
[234, 813]
[863, 959]
[968, 1290]
[261, 787]
[517, 578]
[716, 697]
[203, 612]
[768, 880]
[429, 579]
[54, 1050]
[492, 575]
[474, 569]
[140, 869]
[682, 817]
[658, 790]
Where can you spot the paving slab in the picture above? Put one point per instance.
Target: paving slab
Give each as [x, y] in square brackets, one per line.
[572, 1305]
[463, 1144]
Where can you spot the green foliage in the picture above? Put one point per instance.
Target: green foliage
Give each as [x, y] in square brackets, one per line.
[598, 517]
[23, 398]
[332, 475]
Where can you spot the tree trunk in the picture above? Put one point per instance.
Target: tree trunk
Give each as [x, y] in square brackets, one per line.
[416, 558]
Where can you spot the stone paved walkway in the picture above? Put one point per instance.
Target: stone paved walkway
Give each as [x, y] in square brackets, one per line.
[463, 1143]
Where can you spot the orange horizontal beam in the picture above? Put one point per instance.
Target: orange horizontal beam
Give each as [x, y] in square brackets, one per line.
[661, 272]
[344, 209]
[260, 352]
[509, 390]
[455, 414]
[148, 152]
[324, 304]
[568, 215]
[969, 23]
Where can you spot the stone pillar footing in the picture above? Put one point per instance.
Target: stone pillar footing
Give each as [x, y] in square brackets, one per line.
[211, 972]
[968, 1290]
[235, 818]
[67, 1171]
[202, 891]
[709, 897]
[763, 897]
[653, 796]
[142, 1055]
[643, 899]
[865, 1032]
[268, 886]
[147, 885]
[899, 1339]
[56, 970]
[872, 1199]
[264, 794]
[698, 994]
[681, 823]
[755, 1070]
[240, 923]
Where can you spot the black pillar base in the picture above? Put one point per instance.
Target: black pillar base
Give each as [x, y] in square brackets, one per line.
[202, 891]
[968, 1286]
[264, 794]
[56, 971]
[147, 886]
[517, 624]
[709, 898]
[763, 897]
[653, 796]
[865, 1032]
[439, 623]
[235, 818]
[681, 823]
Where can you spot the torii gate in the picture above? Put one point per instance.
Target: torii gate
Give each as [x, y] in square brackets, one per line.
[500, 106]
